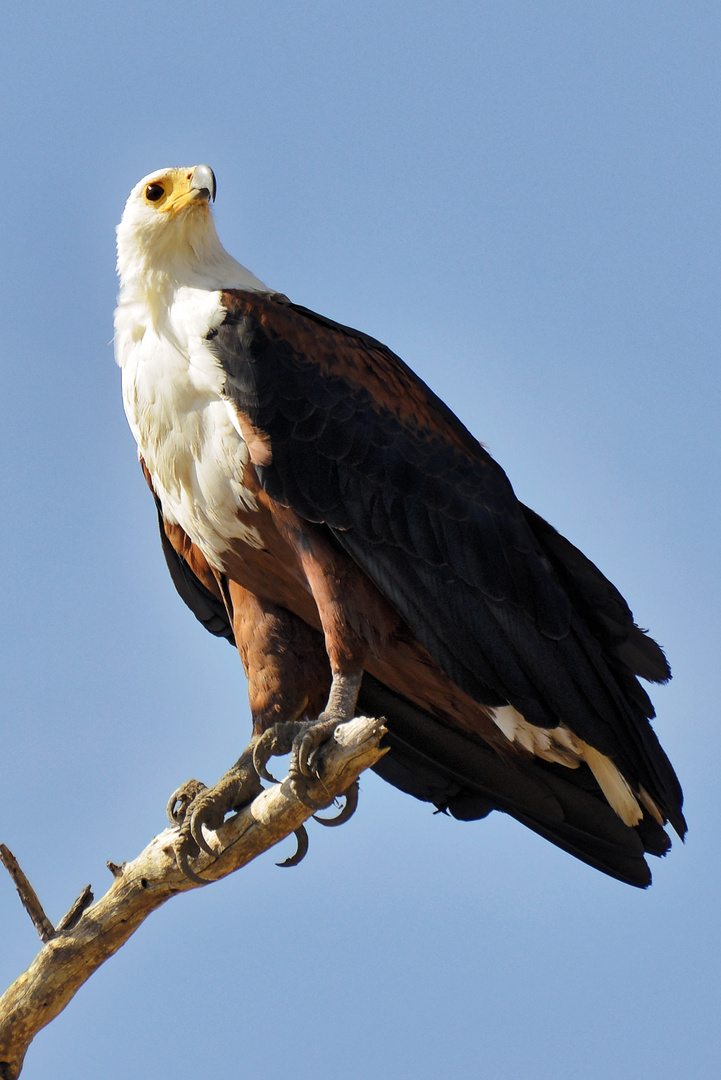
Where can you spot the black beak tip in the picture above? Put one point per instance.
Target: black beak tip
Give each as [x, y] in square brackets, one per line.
[203, 179]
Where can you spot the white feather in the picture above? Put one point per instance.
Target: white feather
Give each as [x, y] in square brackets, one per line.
[171, 273]
[560, 745]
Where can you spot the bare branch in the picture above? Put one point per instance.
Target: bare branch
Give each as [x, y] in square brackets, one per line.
[73, 916]
[27, 893]
[70, 957]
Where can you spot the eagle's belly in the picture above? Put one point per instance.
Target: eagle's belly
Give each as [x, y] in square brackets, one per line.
[193, 450]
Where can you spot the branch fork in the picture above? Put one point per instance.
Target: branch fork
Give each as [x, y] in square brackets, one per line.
[88, 935]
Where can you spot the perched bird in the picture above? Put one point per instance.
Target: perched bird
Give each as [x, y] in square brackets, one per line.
[321, 508]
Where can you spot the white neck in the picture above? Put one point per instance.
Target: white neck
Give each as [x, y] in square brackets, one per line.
[187, 253]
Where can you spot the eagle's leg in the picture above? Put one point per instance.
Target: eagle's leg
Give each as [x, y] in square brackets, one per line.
[341, 707]
[288, 675]
[303, 739]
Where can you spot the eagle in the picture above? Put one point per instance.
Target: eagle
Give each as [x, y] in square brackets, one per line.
[325, 512]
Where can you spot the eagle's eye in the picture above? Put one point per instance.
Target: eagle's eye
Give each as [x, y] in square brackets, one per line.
[153, 192]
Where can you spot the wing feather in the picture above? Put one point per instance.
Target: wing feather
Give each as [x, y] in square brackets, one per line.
[508, 608]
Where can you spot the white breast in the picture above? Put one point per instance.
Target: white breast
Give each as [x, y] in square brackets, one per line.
[184, 428]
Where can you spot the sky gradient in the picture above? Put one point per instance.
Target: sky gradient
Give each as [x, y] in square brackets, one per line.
[522, 200]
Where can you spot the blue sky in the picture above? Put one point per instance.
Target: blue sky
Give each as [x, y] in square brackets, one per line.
[522, 200]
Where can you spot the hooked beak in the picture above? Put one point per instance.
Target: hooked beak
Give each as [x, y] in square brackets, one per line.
[203, 181]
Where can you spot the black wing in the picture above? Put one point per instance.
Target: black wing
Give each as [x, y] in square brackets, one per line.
[508, 608]
[463, 777]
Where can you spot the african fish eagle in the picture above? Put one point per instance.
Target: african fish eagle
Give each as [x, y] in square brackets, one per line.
[323, 510]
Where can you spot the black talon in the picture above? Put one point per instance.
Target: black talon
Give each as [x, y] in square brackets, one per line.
[299, 787]
[193, 806]
[301, 836]
[184, 867]
[348, 810]
[196, 831]
[261, 765]
[265, 775]
[180, 800]
[305, 798]
[274, 742]
[307, 748]
[183, 855]
[170, 810]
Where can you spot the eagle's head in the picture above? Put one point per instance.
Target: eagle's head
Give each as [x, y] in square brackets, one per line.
[167, 234]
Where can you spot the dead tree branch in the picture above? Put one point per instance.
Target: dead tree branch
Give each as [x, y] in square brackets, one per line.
[27, 895]
[84, 941]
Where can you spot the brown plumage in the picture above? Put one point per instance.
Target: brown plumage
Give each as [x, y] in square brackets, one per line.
[323, 509]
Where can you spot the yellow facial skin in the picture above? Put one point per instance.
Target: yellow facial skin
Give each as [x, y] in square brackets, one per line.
[172, 191]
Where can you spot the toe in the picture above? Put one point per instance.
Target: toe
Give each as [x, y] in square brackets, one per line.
[183, 856]
[181, 799]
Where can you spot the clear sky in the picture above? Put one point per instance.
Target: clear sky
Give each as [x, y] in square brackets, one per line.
[522, 199]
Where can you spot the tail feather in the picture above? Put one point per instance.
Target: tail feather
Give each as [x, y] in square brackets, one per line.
[462, 776]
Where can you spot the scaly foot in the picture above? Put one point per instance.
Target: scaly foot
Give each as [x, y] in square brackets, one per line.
[302, 739]
[195, 806]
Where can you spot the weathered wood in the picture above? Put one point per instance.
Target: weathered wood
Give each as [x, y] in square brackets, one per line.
[69, 958]
[69, 920]
[27, 894]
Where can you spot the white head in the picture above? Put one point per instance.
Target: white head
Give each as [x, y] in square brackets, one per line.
[167, 235]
